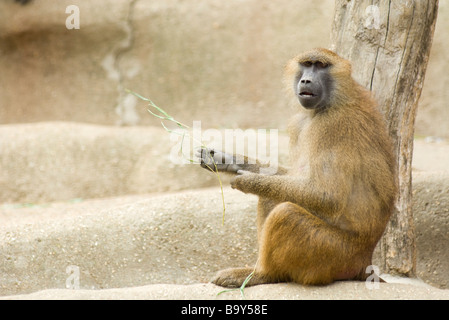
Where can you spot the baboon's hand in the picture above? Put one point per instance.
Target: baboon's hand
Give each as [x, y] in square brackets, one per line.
[243, 180]
[243, 172]
[215, 160]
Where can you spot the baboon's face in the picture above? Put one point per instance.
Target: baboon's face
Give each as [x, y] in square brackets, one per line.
[313, 84]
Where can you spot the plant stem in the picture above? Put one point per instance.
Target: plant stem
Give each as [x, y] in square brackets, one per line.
[164, 116]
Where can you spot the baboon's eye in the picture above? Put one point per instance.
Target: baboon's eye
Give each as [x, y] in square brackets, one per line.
[307, 63]
[321, 65]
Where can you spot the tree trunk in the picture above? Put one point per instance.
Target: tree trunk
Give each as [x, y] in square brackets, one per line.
[388, 43]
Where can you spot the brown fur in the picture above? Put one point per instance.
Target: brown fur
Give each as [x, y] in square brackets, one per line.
[321, 221]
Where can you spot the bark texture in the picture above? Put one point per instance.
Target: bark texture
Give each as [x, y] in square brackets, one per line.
[388, 43]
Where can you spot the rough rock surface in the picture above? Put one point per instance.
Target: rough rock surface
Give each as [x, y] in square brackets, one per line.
[174, 239]
[211, 60]
[336, 291]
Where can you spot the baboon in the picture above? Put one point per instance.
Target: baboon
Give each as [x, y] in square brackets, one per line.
[319, 220]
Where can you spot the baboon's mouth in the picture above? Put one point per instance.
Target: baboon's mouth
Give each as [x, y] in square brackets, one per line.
[306, 94]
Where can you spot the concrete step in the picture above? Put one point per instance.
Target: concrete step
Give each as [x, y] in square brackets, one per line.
[175, 238]
[284, 291]
[62, 161]
[144, 234]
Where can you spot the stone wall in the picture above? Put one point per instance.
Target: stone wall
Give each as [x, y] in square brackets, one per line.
[216, 61]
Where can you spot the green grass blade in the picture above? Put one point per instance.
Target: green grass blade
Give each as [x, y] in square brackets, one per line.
[164, 116]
